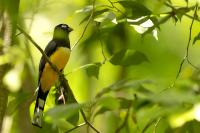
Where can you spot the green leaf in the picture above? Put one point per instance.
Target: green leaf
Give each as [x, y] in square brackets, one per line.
[107, 104]
[138, 9]
[138, 21]
[106, 16]
[96, 13]
[73, 119]
[102, 110]
[128, 57]
[93, 70]
[196, 38]
[99, 12]
[62, 125]
[180, 12]
[63, 111]
[124, 103]
[70, 99]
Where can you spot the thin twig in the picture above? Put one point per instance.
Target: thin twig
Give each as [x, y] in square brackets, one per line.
[190, 36]
[156, 124]
[186, 57]
[79, 68]
[87, 122]
[84, 30]
[35, 11]
[109, 88]
[80, 125]
[191, 17]
[181, 65]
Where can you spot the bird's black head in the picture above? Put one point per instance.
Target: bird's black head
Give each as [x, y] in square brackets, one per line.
[62, 31]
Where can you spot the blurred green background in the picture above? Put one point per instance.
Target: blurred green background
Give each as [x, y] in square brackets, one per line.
[135, 69]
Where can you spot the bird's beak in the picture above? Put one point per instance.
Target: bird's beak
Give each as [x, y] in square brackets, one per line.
[70, 29]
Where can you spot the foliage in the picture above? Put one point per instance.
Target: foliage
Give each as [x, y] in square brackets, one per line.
[133, 67]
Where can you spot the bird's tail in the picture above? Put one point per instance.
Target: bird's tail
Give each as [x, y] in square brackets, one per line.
[39, 107]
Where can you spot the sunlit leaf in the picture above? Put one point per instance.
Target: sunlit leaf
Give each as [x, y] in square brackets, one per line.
[139, 29]
[85, 9]
[109, 16]
[156, 23]
[137, 21]
[114, 21]
[93, 70]
[138, 9]
[128, 57]
[142, 24]
[196, 38]
[155, 34]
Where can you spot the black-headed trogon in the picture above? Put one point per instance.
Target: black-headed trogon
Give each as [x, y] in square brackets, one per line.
[58, 51]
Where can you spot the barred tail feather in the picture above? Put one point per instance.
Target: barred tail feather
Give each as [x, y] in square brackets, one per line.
[39, 107]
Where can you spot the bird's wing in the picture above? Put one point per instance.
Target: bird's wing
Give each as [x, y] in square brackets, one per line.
[49, 50]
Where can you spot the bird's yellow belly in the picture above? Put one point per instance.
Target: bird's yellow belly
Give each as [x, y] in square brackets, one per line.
[48, 77]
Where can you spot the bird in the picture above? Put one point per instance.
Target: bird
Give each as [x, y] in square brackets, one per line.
[58, 50]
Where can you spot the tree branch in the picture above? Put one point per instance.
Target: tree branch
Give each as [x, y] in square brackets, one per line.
[87, 122]
[40, 49]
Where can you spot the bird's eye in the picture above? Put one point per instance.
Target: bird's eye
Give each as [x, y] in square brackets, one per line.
[64, 26]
